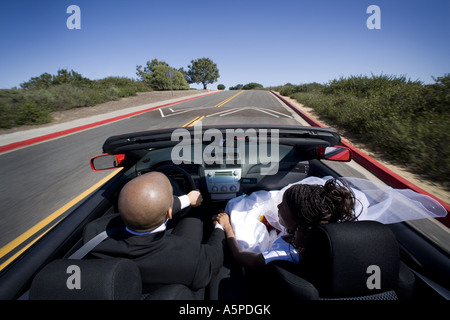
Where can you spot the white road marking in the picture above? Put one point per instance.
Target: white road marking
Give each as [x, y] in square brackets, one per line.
[263, 110]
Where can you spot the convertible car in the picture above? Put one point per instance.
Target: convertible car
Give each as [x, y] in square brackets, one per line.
[351, 260]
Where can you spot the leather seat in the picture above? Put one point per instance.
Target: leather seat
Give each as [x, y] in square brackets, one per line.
[351, 260]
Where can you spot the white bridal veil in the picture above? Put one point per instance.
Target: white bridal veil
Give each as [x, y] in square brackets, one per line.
[374, 202]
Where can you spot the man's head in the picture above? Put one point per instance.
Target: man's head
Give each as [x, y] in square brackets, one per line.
[146, 202]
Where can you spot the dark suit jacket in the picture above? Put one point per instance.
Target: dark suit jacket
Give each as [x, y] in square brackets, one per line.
[162, 258]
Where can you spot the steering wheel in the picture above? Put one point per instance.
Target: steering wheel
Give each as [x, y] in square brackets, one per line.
[177, 190]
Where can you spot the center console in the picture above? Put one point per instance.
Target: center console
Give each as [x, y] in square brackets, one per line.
[223, 184]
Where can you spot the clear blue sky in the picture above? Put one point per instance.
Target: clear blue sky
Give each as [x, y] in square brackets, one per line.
[269, 42]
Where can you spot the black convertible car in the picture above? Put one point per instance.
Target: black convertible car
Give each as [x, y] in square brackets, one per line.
[354, 260]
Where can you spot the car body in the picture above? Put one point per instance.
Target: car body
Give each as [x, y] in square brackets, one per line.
[222, 162]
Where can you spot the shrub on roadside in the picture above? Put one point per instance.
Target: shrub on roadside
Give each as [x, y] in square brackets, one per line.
[63, 76]
[160, 81]
[406, 120]
[30, 113]
[236, 87]
[252, 86]
[33, 103]
[154, 74]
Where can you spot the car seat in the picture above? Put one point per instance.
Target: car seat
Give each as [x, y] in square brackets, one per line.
[100, 279]
[95, 279]
[350, 260]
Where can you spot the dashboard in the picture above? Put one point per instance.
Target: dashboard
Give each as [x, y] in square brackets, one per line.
[234, 172]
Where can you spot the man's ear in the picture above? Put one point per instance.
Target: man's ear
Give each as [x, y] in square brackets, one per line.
[169, 212]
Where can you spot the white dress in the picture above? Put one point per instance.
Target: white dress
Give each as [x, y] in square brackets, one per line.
[374, 202]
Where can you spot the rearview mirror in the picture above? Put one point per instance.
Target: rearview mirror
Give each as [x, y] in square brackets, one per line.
[342, 154]
[107, 161]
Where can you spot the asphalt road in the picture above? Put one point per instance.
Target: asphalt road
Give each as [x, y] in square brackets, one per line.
[42, 178]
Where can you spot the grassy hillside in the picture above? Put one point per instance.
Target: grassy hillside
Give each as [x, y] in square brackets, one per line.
[405, 120]
[33, 102]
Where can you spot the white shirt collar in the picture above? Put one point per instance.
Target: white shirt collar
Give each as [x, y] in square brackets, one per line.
[159, 229]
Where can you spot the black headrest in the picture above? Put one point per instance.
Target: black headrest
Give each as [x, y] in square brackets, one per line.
[96, 279]
[349, 259]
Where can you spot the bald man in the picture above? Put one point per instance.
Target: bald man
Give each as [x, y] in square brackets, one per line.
[164, 256]
[145, 202]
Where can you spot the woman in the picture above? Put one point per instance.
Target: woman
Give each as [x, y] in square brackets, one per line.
[303, 207]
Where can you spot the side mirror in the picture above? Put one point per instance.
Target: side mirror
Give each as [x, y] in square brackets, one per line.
[107, 161]
[342, 154]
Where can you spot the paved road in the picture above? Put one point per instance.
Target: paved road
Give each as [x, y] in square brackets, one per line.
[40, 179]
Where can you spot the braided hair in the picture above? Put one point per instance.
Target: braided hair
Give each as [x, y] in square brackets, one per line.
[313, 205]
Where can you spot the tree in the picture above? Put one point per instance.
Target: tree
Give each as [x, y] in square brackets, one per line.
[237, 87]
[43, 81]
[144, 74]
[155, 75]
[160, 81]
[203, 71]
[220, 87]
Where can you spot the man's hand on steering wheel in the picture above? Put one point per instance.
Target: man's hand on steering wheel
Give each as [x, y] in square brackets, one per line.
[195, 198]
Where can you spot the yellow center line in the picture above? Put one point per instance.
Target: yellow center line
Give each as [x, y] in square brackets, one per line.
[41, 225]
[227, 100]
[196, 120]
[193, 121]
[190, 122]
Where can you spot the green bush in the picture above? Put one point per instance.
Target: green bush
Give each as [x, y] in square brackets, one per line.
[63, 76]
[159, 80]
[289, 89]
[155, 76]
[406, 120]
[37, 98]
[252, 86]
[127, 87]
[30, 113]
[237, 87]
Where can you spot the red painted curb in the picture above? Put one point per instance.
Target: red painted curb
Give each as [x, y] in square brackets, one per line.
[54, 135]
[385, 174]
